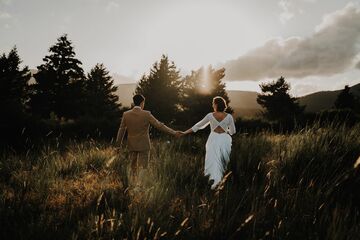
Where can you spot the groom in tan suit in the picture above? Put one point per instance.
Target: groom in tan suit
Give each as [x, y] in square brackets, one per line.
[136, 122]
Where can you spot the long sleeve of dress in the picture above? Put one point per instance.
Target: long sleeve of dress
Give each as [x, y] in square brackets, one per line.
[201, 124]
[232, 129]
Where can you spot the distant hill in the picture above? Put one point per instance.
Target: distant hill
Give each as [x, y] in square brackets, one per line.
[125, 89]
[121, 79]
[245, 105]
[323, 100]
[244, 102]
[125, 93]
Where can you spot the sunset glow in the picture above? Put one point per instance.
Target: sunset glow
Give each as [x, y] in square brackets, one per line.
[205, 84]
[253, 43]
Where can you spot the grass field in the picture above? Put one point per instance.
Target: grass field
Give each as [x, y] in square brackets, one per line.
[303, 185]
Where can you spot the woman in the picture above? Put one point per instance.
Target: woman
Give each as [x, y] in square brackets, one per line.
[218, 145]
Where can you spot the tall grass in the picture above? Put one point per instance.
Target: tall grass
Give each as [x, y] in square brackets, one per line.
[296, 186]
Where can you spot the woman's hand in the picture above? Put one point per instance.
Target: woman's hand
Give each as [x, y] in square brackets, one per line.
[179, 134]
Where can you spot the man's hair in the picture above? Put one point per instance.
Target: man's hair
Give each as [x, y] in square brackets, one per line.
[138, 99]
[220, 103]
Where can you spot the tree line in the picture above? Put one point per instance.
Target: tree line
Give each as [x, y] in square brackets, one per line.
[60, 92]
[61, 98]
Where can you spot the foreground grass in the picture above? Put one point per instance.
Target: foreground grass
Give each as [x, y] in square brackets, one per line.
[298, 186]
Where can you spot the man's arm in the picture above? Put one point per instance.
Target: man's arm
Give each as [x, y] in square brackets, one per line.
[121, 132]
[159, 125]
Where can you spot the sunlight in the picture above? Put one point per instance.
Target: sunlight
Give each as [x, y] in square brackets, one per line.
[205, 82]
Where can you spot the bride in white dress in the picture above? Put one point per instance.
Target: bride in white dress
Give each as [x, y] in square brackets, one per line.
[218, 145]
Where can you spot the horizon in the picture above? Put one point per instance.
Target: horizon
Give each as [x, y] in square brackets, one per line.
[314, 44]
[229, 89]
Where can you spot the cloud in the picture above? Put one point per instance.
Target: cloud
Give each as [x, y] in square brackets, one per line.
[5, 15]
[331, 49]
[112, 5]
[291, 8]
[5, 2]
[358, 65]
[304, 89]
[287, 12]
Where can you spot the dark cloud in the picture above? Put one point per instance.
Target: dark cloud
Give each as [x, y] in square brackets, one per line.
[358, 65]
[330, 50]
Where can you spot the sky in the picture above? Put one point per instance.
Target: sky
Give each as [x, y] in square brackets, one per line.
[314, 44]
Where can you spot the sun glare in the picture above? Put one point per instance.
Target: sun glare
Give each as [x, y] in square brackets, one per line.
[205, 82]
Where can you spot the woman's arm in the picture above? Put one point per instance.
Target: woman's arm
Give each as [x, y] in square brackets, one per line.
[232, 129]
[200, 125]
[188, 131]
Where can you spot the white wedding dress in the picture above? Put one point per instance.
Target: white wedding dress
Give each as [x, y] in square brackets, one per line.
[218, 145]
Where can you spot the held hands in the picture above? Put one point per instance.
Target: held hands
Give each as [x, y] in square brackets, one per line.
[179, 134]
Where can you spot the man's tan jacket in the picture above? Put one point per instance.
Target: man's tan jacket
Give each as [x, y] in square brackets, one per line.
[136, 122]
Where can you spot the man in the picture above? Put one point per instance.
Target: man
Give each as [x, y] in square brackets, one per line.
[136, 122]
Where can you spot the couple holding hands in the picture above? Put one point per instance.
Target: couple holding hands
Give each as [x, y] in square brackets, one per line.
[218, 146]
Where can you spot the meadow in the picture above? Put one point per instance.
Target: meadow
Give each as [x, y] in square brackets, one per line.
[301, 185]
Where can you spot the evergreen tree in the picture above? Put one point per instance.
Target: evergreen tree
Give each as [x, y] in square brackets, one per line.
[345, 99]
[13, 98]
[59, 84]
[102, 102]
[13, 84]
[278, 103]
[199, 88]
[161, 88]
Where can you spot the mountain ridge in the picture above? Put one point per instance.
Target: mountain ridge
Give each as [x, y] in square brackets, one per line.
[244, 102]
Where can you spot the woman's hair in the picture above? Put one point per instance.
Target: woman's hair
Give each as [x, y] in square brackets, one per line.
[220, 103]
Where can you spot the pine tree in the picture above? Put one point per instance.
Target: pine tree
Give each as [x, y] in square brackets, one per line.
[13, 83]
[101, 100]
[278, 103]
[345, 99]
[199, 88]
[59, 86]
[14, 93]
[161, 88]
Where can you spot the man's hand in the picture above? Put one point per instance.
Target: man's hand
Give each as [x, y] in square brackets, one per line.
[179, 134]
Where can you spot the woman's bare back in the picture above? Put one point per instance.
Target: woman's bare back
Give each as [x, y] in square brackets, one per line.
[219, 116]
